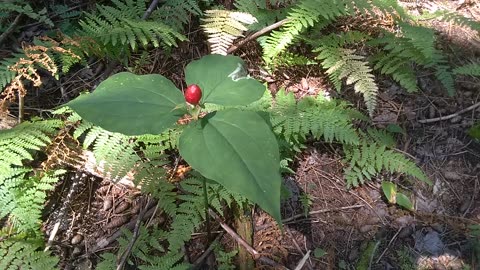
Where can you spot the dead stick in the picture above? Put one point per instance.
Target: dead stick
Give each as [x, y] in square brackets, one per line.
[10, 29]
[311, 213]
[441, 118]
[322, 211]
[209, 250]
[136, 232]
[242, 242]
[103, 242]
[150, 9]
[255, 35]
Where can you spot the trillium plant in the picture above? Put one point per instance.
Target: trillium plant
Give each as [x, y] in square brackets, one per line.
[234, 147]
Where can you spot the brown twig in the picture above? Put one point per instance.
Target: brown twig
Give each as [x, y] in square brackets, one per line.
[453, 115]
[136, 232]
[389, 243]
[10, 29]
[150, 9]
[207, 252]
[131, 225]
[250, 249]
[255, 35]
[322, 211]
[303, 261]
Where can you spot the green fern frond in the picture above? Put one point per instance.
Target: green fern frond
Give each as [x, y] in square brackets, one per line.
[25, 9]
[17, 253]
[189, 215]
[176, 13]
[344, 64]
[319, 117]
[416, 44]
[374, 156]
[472, 69]
[382, 137]
[17, 144]
[22, 197]
[122, 25]
[223, 27]
[169, 261]
[453, 17]
[146, 250]
[224, 259]
[305, 14]
[6, 74]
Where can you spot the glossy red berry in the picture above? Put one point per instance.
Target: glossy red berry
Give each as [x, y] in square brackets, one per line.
[193, 94]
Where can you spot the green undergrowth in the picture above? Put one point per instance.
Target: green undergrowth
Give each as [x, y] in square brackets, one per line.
[113, 30]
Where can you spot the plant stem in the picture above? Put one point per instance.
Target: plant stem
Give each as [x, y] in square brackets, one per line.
[207, 216]
[21, 107]
[244, 226]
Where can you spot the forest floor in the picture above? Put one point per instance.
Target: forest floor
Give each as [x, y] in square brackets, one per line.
[342, 228]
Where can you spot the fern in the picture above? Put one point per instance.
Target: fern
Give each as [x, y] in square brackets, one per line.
[415, 45]
[189, 215]
[119, 27]
[187, 211]
[18, 253]
[305, 14]
[23, 193]
[26, 9]
[223, 27]
[344, 64]
[472, 69]
[453, 17]
[147, 243]
[319, 117]
[22, 197]
[224, 259]
[18, 143]
[176, 13]
[7, 74]
[260, 10]
[373, 156]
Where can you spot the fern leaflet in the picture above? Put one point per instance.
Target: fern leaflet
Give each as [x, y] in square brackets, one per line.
[223, 27]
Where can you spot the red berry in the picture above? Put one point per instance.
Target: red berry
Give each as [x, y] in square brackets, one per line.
[193, 94]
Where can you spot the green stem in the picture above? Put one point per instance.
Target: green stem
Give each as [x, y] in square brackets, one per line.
[207, 216]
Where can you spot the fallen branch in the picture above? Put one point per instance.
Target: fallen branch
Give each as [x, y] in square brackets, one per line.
[10, 29]
[292, 218]
[453, 115]
[103, 242]
[255, 35]
[322, 211]
[136, 232]
[150, 9]
[197, 263]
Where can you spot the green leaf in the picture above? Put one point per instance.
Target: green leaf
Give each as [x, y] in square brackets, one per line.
[474, 131]
[132, 104]
[318, 253]
[404, 201]
[238, 150]
[393, 128]
[390, 190]
[223, 80]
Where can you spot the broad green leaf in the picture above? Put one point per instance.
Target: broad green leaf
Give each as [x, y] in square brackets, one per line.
[404, 201]
[132, 104]
[390, 191]
[223, 80]
[238, 150]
